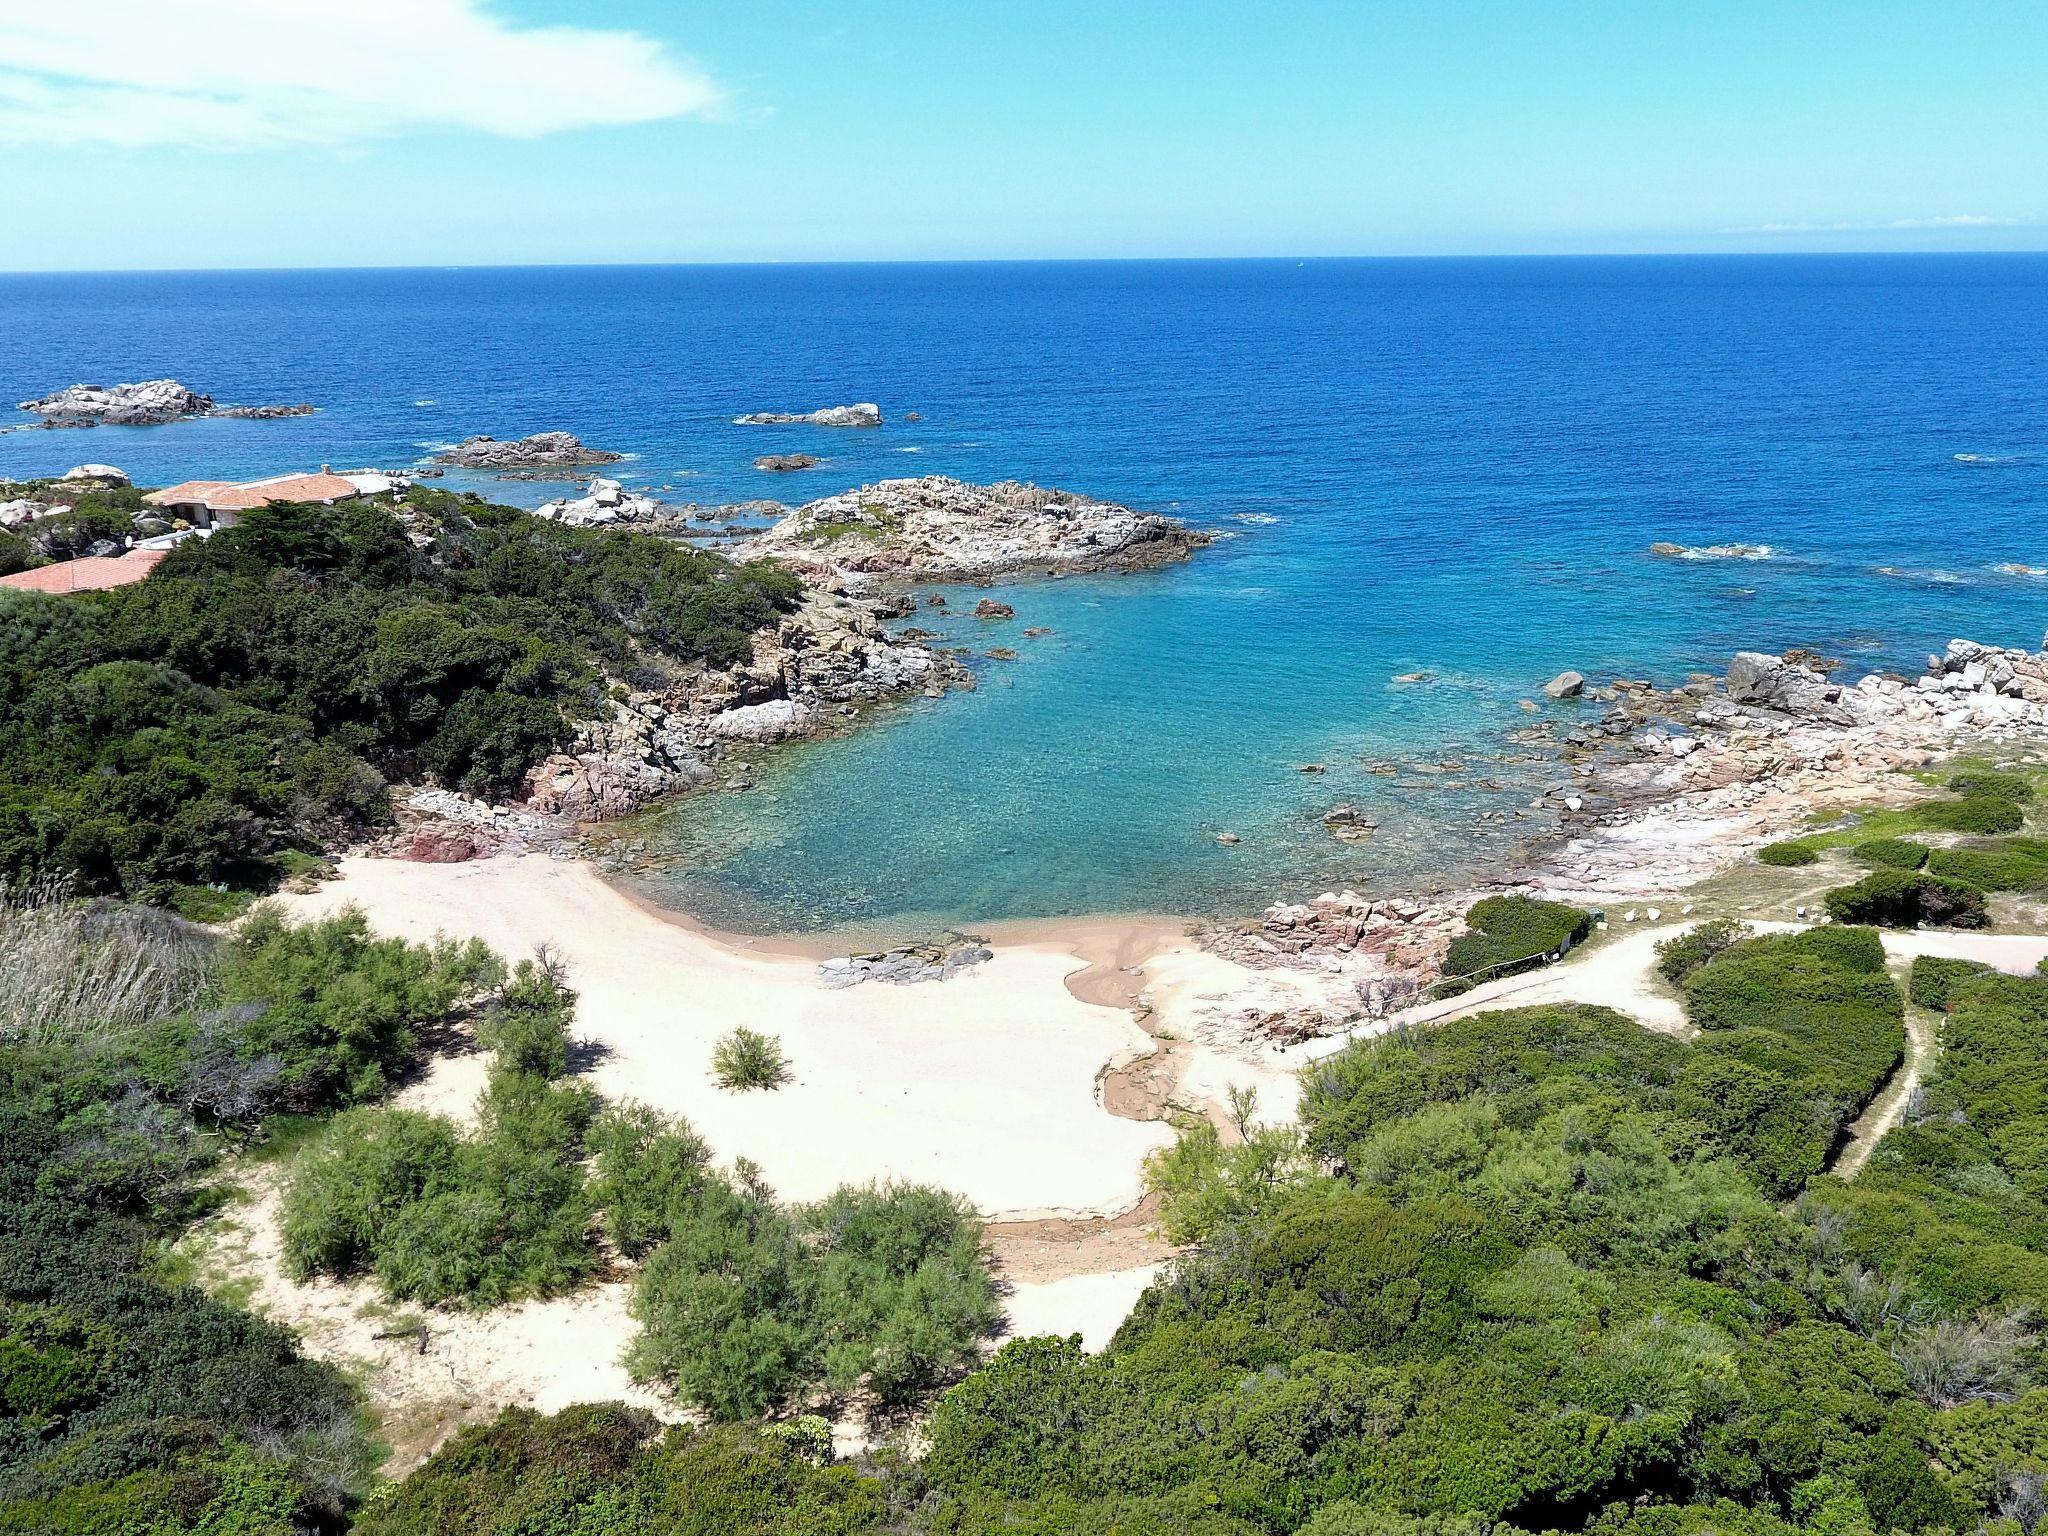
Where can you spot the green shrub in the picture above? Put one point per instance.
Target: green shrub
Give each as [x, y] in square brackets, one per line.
[1891, 853]
[1936, 977]
[1986, 784]
[1981, 815]
[747, 1303]
[1510, 933]
[644, 1162]
[604, 1469]
[348, 1189]
[1787, 854]
[1678, 958]
[2018, 864]
[747, 1058]
[336, 1009]
[1897, 898]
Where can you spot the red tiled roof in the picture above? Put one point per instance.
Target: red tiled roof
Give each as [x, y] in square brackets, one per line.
[239, 496]
[94, 573]
[186, 491]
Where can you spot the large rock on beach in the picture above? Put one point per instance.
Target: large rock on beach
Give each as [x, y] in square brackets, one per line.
[1772, 682]
[543, 450]
[866, 414]
[941, 529]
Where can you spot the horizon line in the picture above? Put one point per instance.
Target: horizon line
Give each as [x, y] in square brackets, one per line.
[1025, 261]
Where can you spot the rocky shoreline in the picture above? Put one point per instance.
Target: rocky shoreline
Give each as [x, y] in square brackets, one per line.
[1666, 789]
[816, 671]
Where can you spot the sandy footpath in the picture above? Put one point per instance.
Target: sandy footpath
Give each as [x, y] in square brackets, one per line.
[984, 1084]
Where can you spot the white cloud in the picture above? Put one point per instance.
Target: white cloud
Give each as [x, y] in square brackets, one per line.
[254, 73]
[1846, 227]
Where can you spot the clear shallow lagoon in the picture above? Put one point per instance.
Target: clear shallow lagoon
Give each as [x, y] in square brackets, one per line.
[1451, 466]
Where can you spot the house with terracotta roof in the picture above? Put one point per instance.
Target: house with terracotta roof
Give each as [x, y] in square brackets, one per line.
[221, 503]
[93, 573]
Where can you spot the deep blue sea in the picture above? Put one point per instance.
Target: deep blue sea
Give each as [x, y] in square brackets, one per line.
[1454, 467]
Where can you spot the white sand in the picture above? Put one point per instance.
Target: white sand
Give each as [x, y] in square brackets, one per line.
[544, 1355]
[984, 1084]
[1094, 1306]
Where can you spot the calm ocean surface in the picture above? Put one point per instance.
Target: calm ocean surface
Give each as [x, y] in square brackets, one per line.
[1447, 466]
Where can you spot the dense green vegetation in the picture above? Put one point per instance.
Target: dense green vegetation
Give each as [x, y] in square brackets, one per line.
[1511, 933]
[132, 1047]
[438, 1216]
[258, 690]
[1900, 898]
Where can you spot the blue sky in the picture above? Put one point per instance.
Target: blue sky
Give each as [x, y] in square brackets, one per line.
[371, 132]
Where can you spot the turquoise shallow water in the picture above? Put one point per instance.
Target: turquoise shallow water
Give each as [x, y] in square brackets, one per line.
[1448, 466]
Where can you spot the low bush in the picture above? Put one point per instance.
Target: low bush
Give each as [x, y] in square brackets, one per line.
[1798, 1031]
[2018, 864]
[1787, 854]
[1890, 853]
[1678, 958]
[1510, 933]
[746, 1059]
[1990, 785]
[604, 1469]
[1979, 815]
[1934, 978]
[1898, 898]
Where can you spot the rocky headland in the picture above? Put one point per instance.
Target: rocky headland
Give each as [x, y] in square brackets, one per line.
[865, 414]
[940, 529]
[151, 403]
[540, 451]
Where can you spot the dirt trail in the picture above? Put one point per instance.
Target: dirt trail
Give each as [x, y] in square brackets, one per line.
[1889, 1107]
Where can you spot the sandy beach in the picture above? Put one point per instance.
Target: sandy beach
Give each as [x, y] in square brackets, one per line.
[985, 1084]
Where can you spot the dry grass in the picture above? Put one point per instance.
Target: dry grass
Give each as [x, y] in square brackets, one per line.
[75, 971]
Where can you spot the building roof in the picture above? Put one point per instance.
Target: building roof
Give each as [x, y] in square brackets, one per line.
[94, 573]
[239, 496]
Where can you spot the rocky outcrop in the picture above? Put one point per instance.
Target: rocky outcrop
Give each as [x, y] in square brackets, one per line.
[906, 966]
[786, 463]
[940, 529]
[1566, 685]
[606, 501]
[24, 510]
[805, 676]
[1772, 682]
[261, 412]
[863, 415]
[543, 450]
[150, 403]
